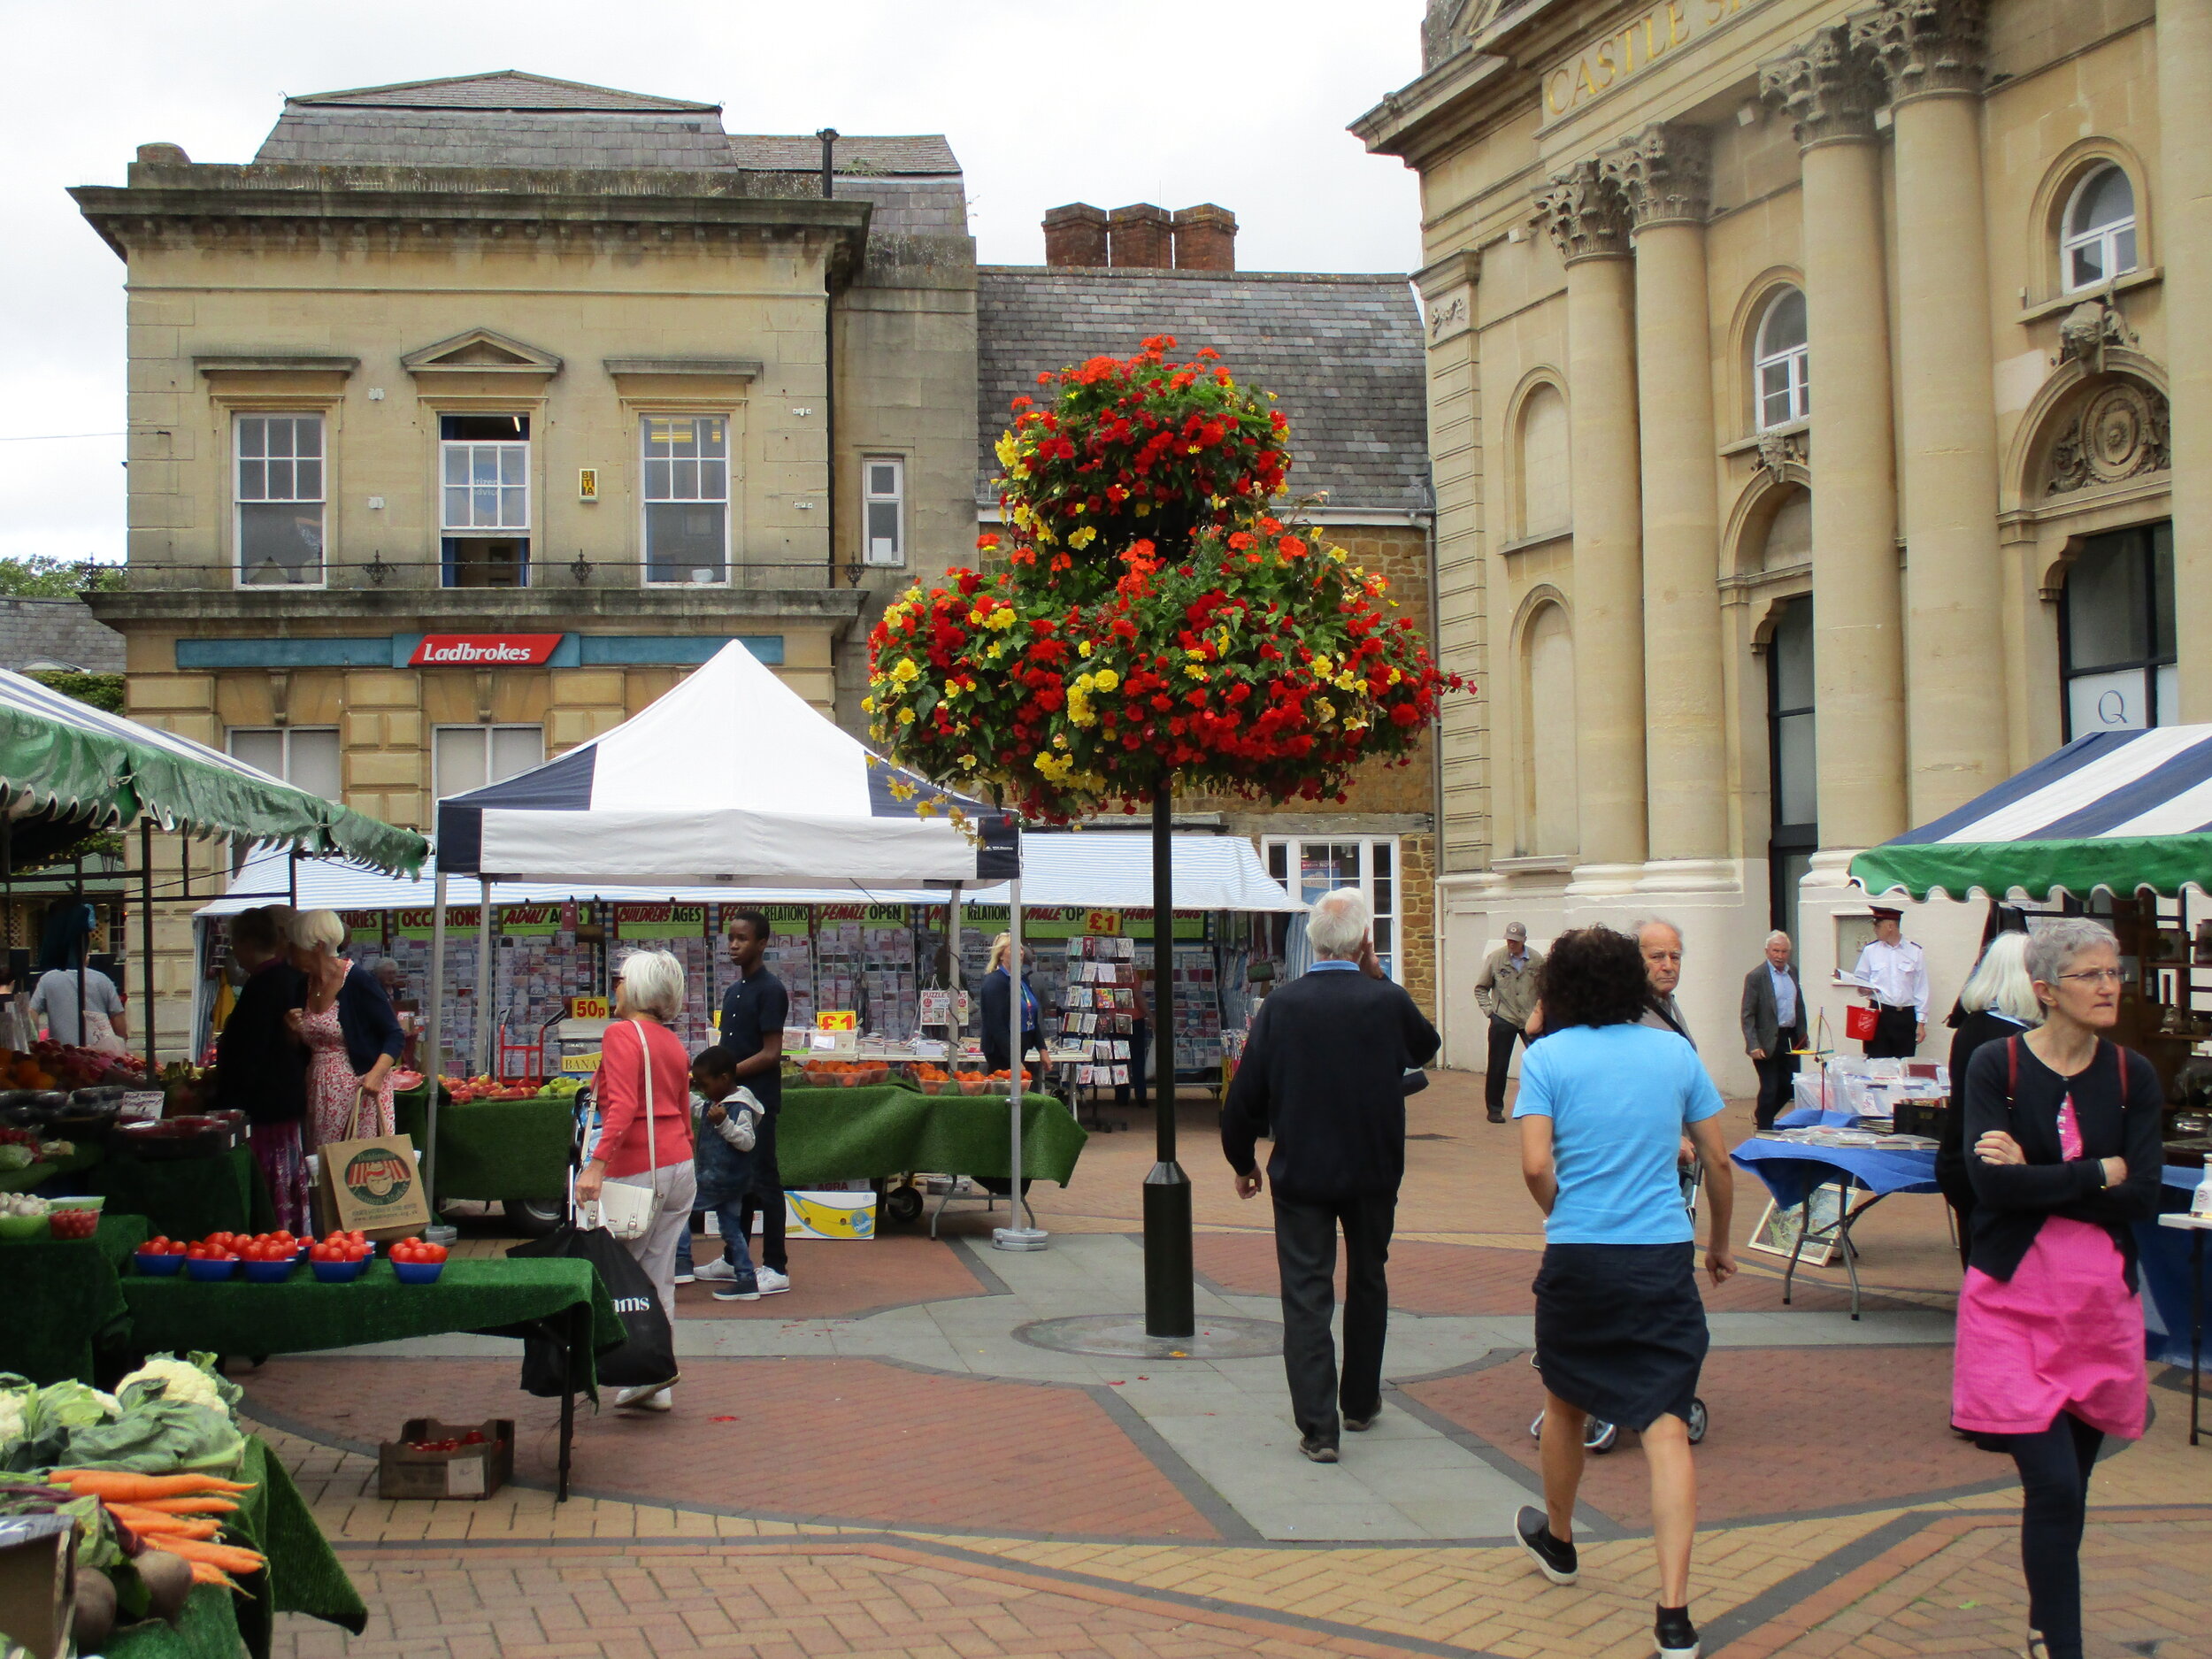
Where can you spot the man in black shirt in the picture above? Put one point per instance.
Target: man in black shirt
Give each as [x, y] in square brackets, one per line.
[754, 1011]
[1323, 1072]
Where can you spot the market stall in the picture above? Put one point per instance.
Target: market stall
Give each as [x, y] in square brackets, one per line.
[2116, 826]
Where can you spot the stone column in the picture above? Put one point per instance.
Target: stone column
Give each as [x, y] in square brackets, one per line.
[2184, 237]
[1666, 175]
[1932, 52]
[1589, 220]
[1830, 90]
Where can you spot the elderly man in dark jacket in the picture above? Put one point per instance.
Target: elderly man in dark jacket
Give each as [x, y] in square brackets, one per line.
[1324, 1072]
[1774, 1025]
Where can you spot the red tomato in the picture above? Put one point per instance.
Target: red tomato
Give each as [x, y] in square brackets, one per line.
[198, 1252]
[433, 1252]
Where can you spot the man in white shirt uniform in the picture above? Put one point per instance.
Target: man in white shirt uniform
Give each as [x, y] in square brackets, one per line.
[1892, 973]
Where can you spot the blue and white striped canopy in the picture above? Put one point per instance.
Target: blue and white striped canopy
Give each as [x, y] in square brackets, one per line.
[2123, 811]
[731, 779]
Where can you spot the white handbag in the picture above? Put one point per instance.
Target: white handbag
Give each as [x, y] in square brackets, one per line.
[624, 1209]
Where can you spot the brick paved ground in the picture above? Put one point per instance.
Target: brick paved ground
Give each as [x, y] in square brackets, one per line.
[978, 1517]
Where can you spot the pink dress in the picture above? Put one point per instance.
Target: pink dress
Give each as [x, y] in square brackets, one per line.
[2065, 1334]
[332, 1088]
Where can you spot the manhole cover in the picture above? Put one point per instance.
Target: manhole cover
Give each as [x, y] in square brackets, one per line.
[1122, 1336]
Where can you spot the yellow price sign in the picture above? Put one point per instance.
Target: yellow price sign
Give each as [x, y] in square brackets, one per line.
[836, 1019]
[1101, 922]
[589, 1007]
[584, 1064]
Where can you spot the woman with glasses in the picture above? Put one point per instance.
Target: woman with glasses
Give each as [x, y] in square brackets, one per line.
[2063, 1128]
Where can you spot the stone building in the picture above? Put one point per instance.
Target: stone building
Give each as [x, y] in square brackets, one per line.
[1804, 380]
[470, 414]
[1342, 354]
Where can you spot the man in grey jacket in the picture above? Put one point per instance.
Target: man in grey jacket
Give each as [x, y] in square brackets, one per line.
[1774, 1025]
[1506, 991]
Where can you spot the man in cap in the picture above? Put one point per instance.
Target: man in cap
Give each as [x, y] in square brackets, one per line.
[1506, 991]
[1893, 972]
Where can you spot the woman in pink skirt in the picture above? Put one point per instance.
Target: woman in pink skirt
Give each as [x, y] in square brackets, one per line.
[2064, 1129]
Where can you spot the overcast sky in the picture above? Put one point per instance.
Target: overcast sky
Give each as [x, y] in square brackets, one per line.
[1239, 101]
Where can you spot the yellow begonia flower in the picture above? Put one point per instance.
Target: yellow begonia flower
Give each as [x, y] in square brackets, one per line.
[1082, 538]
[1323, 665]
[906, 671]
[1108, 680]
[1085, 647]
[906, 717]
[1194, 671]
[1347, 681]
[1001, 619]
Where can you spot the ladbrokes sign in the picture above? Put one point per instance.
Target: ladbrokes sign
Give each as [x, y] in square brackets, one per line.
[484, 651]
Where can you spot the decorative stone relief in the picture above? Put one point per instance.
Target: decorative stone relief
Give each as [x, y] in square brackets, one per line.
[1585, 212]
[1926, 46]
[1666, 173]
[1829, 86]
[1779, 451]
[2119, 433]
[1447, 27]
[2088, 329]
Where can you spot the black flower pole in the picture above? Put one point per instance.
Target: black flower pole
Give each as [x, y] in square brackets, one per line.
[1168, 1301]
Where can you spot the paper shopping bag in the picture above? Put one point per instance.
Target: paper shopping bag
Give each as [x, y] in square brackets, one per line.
[1859, 1022]
[373, 1186]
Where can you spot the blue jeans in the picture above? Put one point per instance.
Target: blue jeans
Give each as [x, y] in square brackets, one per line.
[725, 1175]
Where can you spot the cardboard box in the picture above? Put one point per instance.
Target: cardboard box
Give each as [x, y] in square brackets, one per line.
[38, 1582]
[473, 1472]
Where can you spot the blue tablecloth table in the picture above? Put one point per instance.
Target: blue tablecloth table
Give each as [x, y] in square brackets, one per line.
[1792, 1170]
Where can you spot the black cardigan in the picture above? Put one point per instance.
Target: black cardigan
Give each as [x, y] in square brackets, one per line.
[260, 1066]
[1969, 1031]
[2010, 1199]
[1324, 1072]
[366, 1016]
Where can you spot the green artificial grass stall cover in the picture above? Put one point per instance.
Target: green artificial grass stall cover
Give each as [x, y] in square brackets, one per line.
[63, 1297]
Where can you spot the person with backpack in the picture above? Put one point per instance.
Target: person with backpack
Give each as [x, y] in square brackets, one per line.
[2062, 1131]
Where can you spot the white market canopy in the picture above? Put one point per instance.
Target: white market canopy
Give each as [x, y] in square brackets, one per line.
[729, 780]
[2122, 810]
[1087, 870]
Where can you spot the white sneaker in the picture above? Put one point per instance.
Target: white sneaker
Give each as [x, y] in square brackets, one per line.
[716, 1272]
[771, 1283]
[645, 1399]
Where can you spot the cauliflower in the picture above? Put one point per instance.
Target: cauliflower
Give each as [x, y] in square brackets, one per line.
[192, 1382]
[16, 1394]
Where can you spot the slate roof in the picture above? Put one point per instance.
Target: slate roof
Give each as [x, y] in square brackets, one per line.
[502, 89]
[56, 631]
[1344, 355]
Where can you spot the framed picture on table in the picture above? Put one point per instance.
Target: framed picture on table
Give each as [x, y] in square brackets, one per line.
[1777, 1232]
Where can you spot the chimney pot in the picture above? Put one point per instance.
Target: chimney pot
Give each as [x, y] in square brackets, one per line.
[1143, 237]
[1075, 235]
[1205, 238]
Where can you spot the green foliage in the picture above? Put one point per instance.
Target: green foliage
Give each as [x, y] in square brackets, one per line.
[42, 576]
[102, 691]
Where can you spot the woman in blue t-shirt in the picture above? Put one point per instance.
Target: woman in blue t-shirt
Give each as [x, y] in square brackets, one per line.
[1620, 1330]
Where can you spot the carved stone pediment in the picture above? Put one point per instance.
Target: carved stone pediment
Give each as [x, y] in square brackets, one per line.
[481, 352]
[2119, 432]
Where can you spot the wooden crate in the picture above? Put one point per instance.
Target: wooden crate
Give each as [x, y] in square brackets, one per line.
[473, 1472]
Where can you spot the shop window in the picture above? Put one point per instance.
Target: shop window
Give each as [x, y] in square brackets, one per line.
[2117, 634]
[883, 509]
[1546, 499]
[1309, 867]
[484, 500]
[278, 500]
[1795, 830]
[1781, 363]
[2099, 240]
[464, 758]
[686, 463]
[306, 757]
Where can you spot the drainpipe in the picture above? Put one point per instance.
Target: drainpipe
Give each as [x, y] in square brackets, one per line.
[828, 136]
[1436, 770]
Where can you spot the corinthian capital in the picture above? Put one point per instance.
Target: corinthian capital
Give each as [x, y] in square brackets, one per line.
[1585, 212]
[1828, 85]
[1926, 46]
[1666, 173]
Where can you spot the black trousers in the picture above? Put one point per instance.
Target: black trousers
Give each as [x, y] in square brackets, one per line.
[1502, 1033]
[1778, 1074]
[1139, 1051]
[766, 1200]
[2054, 1469]
[1893, 1038]
[1305, 1256]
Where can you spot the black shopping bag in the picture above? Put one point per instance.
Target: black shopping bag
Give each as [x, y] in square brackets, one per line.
[646, 1357]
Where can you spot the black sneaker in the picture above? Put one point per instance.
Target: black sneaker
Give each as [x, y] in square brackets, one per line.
[1359, 1426]
[1317, 1451]
[1674, 1635]
[1558, 1559]
[1497, 1117]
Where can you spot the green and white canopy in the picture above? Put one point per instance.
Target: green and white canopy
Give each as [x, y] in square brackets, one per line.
[2127, 811]
[67, 768]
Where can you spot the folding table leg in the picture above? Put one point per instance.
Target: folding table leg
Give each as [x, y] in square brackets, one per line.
[2196, 1327]
[579, 1322]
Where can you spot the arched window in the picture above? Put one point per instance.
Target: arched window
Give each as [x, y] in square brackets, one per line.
[1548, 779]
[1779, 361]
[2098, 241]
[1545, 493]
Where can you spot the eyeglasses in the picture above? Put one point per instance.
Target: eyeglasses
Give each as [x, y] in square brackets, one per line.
[2095, 976]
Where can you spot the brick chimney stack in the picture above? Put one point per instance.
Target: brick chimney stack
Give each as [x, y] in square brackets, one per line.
[1143, 237]
[1075, 235]
[1205, 238]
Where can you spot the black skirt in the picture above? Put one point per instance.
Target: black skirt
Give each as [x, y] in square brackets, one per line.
[1620, 1329]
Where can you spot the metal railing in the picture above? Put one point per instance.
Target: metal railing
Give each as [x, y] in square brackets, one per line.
[579, 572]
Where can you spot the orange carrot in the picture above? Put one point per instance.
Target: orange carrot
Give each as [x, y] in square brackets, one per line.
[188, 1506]
[205, 1572]
[228, 1556]
[126, 1487]
[155, 1523]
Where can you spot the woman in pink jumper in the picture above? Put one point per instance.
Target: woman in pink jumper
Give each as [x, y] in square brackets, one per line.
[2064, 1128]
